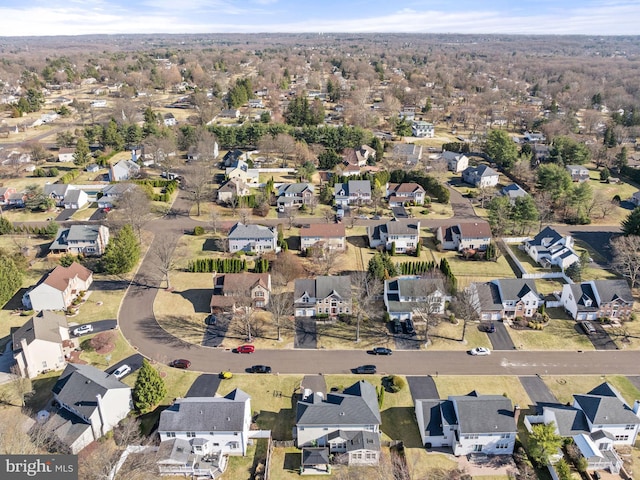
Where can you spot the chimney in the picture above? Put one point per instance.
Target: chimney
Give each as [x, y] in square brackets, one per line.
[516, 414]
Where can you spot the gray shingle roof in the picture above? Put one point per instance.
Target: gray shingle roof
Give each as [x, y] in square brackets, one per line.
[43, 326]
[484, 414]
[403, 227]
[547, 233]
[357, 405]
[488, 296]
[323, 286]
[516, 288]
[79, 385]
[294, 188]
[432, 416]
[222, 414]
[569, 421]
[315, 456]
[604, 410]
[610, 290]
[176, 450]
[241, 231]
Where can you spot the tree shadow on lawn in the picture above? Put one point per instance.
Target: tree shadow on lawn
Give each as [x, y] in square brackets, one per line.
[213, 245]
[200, 298]
[399, 423]
[153, 331]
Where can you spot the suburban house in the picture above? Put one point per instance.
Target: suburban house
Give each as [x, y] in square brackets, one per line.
[241, 171]
[230, 113]
[169, 120]
[75, 199]
[464, 236]
[481, 176]
[354, 192]
[403, 235]
[549, 248]
[513, 192]
[358, 156]
[400, 194]
[89, 240]
[532, 137]
[57, 192]
[42, 344]
[344, 424]
[5, 193]
[194, 155]
[59, 288]
[471, 423]
[317, 235]
[16, 199]
[230, 290]
[597, 421]
[635, 198]
[456, 162]
[92, 402]
[597, 299]
[541, 152]
[578, 173]
[407, 153]
[407, 112]
[422, 129]
[294, 195]
[208, 426]
[324, 295]
[232, 189]
[112, 193]
[232, 157]
[65, 154]
[253, 238]
[506, 298]
[407, 296]
[123, 170]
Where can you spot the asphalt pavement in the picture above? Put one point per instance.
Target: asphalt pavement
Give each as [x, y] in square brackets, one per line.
[206, 385]
[500, 339]
[422, 387]
[537, 390]
[134, 361]
[98, 326]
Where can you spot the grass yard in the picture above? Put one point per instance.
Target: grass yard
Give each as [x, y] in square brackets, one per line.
[527, 262]
[421, 463]
[563, 387]
[557, 335]
[86, 212]
[490, 385]
[462, 268]
[446, 336]
[546, 286]
[122, 350]
[608, 191]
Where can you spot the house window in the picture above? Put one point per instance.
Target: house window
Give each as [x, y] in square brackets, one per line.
[622, 438]
[259, 293]
[44, 364]
[234, 445]
[369, 456]
[505, 435]
[477, 448]
[191, 434]
[502, 445]
[171, 434]
[629, 427]
[471, 437]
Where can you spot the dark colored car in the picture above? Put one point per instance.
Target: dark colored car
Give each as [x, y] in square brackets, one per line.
[366, 369]
[408, 327]
[260, 369]
[246, 349]
[396, 327]
[180, 363]
[492, 328]
[382, 351]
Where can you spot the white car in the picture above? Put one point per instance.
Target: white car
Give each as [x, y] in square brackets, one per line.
[82, 329]
[122, 371]
[480, 351]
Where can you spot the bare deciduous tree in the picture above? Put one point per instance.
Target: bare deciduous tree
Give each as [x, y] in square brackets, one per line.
[626, 257]
[162, 251]
[134, 207]
[197, 180]
[281, 308]
[364, 289]
[464, 306]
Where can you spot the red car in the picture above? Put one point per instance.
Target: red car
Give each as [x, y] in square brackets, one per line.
[246, 349]
[180, 363]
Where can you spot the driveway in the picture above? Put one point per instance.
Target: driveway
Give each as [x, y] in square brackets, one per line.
[66, 214]
[635, 380]
[99, 326]
[537, 390]
[601, 339]
[500, 339]
[206, 385]
[134, 361]
[423, 387]
[306, 333]
[461, 205]
[6, 362]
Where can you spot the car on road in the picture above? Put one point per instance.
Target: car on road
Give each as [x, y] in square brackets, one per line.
[480, 351]
[225, 375]
[260, 369]
[246, 349]
[588, 327]
[180, 363]
[122, 371]
[371, 369]
[381, 351]
[82, 330]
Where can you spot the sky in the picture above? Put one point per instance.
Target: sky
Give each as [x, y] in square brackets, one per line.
[81, 17]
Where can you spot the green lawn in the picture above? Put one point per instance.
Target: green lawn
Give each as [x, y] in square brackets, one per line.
[546, 286]
[122, 350]
[447, 336]
[527, 262]
[490, 385]
[471, 270]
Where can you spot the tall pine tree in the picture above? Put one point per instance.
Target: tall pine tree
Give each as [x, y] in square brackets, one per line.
[149, 389]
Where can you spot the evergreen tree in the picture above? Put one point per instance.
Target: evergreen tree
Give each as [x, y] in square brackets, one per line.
[605, 174]
[149, 389]
[631, 224]
[122, 252]
[543, 442]
[6, 227]
[82, 154]
[501, 148]
[11, 277]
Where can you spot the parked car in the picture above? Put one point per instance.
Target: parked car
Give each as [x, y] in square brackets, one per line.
[588, 327]
[491, 328]
[180, 363]
[82, 330]
[122, 371]
[382, 351]
[396, 327]
[260, 369]
[246, 349]
[408, 327]
[225, 375]
[366, 369]
[480, 351]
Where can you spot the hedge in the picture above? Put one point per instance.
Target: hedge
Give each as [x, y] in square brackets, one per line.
[221, 265]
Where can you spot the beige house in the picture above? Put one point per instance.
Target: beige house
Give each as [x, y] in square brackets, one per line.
[59, 288]
[331, 236]
[42, 344]
[229, 290]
